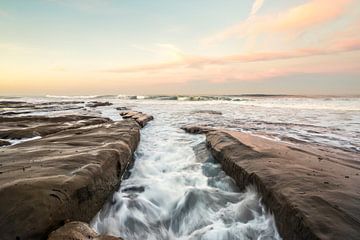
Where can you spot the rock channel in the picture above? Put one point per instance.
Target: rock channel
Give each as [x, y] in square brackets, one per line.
[313, 193]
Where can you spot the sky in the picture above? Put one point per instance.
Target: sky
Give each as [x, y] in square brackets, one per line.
[79, 47]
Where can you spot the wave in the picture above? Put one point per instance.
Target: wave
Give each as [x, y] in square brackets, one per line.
[81, 96]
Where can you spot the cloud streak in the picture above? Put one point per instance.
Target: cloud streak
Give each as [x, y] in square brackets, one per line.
[256, 7]
[296, 19]
[339, 46]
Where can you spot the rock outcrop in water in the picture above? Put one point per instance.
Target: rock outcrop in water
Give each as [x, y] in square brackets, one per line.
[66, 174]
[96, 104]
[141, 118]
[78, 231]
[312, 194]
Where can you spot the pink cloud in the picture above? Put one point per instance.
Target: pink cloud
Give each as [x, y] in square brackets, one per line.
[296, 19]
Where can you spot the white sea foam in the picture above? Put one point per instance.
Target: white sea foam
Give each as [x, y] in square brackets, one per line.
[177, 191]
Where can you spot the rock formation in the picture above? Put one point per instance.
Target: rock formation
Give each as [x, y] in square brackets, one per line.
[67, 174]
[141, 118]
[78, 231]
[313, 193]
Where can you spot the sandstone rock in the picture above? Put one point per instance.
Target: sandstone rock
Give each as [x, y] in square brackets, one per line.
[196, 129]
[310, 199]
[31, 126]
[78, 231]
[64, 175]
[9, 108]
[141, 118]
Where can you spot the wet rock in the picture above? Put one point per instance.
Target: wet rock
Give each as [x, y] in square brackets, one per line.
[11, 108]
[4, 143]
[68, 174]
[141, 118]
[31, 126]
[208, 112]
[305, 205]
[95, 104]
[78, 231]
[122, 108]
[196, 129]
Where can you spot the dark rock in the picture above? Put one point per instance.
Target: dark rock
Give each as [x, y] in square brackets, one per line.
[95, 104]
[196, 129]
[67, 175]
[291, 183]
[122, 108]
[78, 231]
[4, 143]
[208, 112]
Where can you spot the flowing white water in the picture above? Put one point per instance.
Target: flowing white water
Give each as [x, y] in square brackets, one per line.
[177, 191]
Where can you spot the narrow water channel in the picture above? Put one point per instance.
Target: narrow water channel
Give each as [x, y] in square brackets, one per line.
[177, 191]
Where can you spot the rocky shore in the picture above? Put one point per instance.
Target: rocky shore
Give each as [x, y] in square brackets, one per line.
[313, 193]
[64, 174]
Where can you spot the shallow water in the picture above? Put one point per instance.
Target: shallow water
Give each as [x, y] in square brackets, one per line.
[330, 121]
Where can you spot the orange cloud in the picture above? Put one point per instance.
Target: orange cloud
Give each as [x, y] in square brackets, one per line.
[296, 19]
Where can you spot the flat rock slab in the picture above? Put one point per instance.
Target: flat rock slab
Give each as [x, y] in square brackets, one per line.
[141, 118]
[78, 231]
[313, 193]
[67, 174]
[32, 126]
[11, 108]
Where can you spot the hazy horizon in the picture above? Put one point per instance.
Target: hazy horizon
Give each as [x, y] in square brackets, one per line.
[205, 47]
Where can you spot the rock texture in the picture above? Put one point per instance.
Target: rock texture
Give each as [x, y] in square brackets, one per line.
[67, 174]
[141, 118]
[31, 126]
[95, 104]
[313, 193]
[78, 231]
[11, 108]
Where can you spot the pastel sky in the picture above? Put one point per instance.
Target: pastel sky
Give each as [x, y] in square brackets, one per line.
[77, 47]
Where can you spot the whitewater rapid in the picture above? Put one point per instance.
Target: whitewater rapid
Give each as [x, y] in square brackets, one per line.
[177, 191]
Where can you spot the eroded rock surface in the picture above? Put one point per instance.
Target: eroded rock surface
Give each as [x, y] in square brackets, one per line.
[78, 231]
[31, 126]
[312, 193]
[11, 108]
[141, 118]
[67, 174]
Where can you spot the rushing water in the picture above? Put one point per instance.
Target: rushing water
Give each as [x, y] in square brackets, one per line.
[175, 189]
